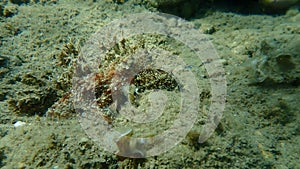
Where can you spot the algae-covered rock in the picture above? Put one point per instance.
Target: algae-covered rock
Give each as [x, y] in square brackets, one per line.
[278, 4]
[19, 2]
[278, 63]
[185, 9]
[3, 66]
[33, 95]
[280, 69]
[168, 2]
[32, 101]
[10, 10]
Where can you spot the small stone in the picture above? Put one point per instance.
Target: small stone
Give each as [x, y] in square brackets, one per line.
[19, 123]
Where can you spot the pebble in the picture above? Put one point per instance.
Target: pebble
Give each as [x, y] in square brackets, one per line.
[19, 123]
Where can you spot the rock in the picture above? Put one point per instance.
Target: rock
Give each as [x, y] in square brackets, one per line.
[19, 123]
[278, 63]
[19, 2]
[278, 4]
[10, 10]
